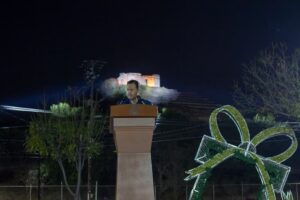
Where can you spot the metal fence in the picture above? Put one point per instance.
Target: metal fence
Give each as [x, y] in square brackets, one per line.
[107, 192]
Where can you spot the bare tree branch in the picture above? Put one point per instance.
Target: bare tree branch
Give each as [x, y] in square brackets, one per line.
[271, 83]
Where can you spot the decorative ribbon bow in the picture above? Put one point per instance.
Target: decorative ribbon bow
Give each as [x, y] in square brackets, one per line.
[214, 150]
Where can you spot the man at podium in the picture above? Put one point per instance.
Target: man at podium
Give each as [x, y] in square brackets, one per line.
[132, 96]
[133, 126]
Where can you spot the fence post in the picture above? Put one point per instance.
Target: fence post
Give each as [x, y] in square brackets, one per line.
[186, 192]
[242, 191]
[61, 191]
[96, 191]
[213, 190]
[297, 191]
[30, 190]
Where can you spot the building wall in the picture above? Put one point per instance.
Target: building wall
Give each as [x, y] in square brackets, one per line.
[149, 80]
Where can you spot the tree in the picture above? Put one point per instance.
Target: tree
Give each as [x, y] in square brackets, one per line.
[271, 83]
[71, 133]
[92, 70]
[66, 137]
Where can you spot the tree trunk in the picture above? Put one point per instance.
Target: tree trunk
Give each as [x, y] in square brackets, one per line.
[79, 169]
[77, 196]
[89, 189]
[65, 177]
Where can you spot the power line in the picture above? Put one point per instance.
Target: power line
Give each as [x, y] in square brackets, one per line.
[177, 139]
[174, 135]
[12, 127]
[188, 138]
[14, 116]
[176, 130]
[11, 140]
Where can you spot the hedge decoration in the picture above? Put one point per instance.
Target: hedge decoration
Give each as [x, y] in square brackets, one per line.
[214, 150]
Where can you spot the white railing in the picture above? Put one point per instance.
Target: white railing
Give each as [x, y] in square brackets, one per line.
[107, 192]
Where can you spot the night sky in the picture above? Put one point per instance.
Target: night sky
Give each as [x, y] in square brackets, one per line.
[194, 45]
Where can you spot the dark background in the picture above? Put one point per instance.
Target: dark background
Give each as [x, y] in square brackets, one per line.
[197, 46]
[194, 45]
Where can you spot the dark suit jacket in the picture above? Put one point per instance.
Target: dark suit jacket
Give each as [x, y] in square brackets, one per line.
[125, 100]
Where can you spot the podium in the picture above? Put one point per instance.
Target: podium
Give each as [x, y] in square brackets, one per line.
[132, 126]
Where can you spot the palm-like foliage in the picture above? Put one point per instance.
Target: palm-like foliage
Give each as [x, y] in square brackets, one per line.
[69, 134]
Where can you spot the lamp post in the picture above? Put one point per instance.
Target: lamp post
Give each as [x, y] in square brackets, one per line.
[39, 177]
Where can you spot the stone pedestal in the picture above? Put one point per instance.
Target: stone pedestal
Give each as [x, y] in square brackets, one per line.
[132, 126]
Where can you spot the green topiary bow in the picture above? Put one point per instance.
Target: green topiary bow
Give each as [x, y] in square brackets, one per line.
[214, 150]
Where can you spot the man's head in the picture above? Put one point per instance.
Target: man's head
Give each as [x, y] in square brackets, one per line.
[132, 89]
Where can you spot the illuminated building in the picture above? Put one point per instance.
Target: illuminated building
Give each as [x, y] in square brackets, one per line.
[149, 80]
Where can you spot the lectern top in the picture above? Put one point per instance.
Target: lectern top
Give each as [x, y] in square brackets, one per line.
[133, 110]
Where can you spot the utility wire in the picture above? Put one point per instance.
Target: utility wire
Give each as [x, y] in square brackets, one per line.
[14, 116]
